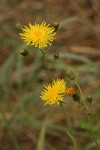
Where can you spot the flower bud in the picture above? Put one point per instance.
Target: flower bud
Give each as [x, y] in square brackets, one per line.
[56, 56]
[89, 99]
[19, 26]
[23, 52]
[71, 75]
[55, 25]
[70, 91]
[76, 97]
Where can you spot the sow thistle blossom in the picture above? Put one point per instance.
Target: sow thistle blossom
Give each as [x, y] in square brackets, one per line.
[54, 92]
[39, 35]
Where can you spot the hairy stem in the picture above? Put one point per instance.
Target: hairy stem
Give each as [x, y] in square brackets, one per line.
[69, 129]
[88, 116]
[46, 64]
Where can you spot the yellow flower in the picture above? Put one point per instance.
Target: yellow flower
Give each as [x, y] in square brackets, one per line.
[70, 91]
[38, 35]
[53, 93]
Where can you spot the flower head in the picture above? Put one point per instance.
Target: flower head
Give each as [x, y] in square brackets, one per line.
[38, 35]
[70, 91]
[53, 93]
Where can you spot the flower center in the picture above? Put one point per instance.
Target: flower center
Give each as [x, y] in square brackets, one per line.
[39, 34]
[53, 93]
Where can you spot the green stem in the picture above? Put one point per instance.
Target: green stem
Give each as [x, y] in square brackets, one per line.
[88, 116]
[53, 63]
[46, 64]
[69, 129]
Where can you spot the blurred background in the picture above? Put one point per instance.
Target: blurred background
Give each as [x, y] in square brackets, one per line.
[24, 123]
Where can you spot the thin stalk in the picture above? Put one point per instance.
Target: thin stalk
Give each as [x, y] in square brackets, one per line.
[53, 63]
[88, 117]
[69, 129]
[46, 64]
